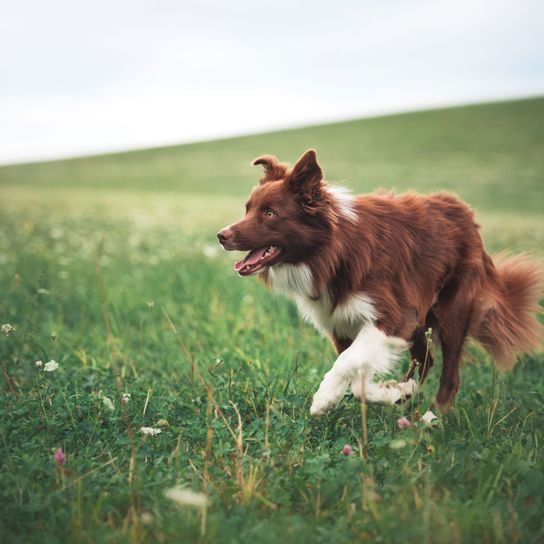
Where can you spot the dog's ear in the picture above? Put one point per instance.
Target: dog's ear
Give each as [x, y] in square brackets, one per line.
[306, 180]
[306, 175]
[273, 169]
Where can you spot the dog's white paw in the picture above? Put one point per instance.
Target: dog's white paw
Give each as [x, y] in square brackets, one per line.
[408, 388]
[329, 394]
[388, 392]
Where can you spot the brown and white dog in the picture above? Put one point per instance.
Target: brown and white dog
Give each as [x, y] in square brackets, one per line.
[376, 271]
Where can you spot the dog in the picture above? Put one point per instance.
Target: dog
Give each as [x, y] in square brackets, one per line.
[376, 272]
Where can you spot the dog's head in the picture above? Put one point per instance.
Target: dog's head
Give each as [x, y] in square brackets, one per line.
[288, 216]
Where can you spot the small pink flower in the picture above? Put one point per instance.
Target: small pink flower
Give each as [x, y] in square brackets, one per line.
[347, 449]
[59, 457]
[403, 423]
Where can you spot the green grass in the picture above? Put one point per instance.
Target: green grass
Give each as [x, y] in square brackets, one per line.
[109, 266]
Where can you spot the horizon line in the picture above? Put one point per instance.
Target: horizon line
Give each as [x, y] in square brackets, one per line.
[273, 130]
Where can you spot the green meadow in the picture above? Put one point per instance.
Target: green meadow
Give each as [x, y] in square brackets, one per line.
[109, 266]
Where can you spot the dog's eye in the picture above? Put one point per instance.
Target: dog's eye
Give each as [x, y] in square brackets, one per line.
[269, 213]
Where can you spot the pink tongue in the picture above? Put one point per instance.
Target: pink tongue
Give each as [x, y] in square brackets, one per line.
[251, 258]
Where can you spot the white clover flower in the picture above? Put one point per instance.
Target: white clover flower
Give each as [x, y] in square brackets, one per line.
[428, 417]
[186, 497]
[209, 251]
[56, 233]
[398, 444]
[50, 366]
[8, 328]
[151, 431]
[106, 401]
[108, 404]
[38, 364]
[147, 518]
[125, 397]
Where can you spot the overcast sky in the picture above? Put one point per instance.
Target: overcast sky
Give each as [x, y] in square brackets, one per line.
[85, 77]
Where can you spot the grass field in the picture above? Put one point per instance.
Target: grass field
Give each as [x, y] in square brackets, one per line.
[109, 266]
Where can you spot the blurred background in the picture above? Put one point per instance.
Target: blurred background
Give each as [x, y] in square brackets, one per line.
[407, 95]
[90, 77]
[127, 130]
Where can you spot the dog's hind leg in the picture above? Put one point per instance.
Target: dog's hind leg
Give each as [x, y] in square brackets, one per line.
[388, 392]
[453, 312]
[420, 351]
[372, 352]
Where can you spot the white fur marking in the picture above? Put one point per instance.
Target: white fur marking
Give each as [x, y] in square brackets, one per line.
[345, 201]
[347, 318]
[370, 353]
[388, 392]
[292, 279]
[317, 312]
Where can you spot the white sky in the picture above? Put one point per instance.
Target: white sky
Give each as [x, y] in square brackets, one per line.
[84, 77]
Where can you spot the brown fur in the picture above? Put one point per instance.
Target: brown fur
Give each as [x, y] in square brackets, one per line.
[420, 258]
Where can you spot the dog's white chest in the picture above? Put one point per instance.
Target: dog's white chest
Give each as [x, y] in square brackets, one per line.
[345, 320]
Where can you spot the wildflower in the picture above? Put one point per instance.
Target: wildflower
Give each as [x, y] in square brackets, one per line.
[403, 423]
[347, 449]
[428, 417]
[186, 497]
[125, 397]
[108, 404]
[209, 251]
[8, 328]
[147, 518]
[163, 423]
[59, 456]
[56, 233]
[151, 431]
[51, 366]
[398, 444]
[38, 364]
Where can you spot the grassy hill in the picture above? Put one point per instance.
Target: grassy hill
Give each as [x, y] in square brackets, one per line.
[108, 265]
[491, 154]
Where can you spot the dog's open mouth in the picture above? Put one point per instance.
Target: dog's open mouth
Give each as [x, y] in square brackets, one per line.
[256, 260]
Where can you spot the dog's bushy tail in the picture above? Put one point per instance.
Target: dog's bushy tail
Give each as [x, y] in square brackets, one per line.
[506, 320]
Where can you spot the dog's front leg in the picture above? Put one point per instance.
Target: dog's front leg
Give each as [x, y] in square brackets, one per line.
[333, 386]
[372, 352]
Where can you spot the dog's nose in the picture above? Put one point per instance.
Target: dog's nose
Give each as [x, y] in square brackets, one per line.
[223, 235]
